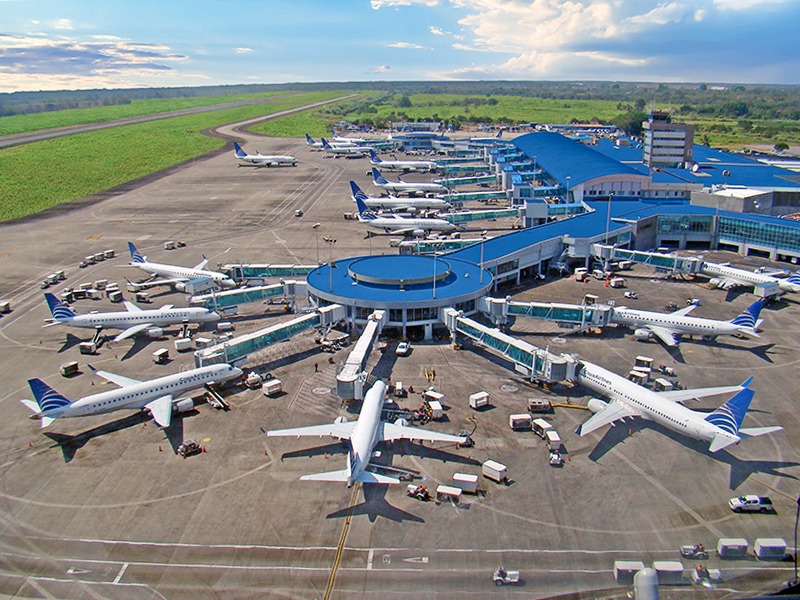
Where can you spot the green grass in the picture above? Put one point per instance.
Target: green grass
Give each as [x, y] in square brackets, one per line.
[37, 176]
[314, 123]
[81, 116]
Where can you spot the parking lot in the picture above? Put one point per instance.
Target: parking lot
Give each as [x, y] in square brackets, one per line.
[102, 506]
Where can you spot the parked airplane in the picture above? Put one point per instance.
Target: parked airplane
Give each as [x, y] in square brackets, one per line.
[310, 142]
[261, 160]
[348, 140]
[155, 395]
[362, 436]
[131, 322]
[401, 225]
[406, 166]
[486, 140]
[347, 151]
[720, 428]
[669, 327]
[394, 203]
[727, 277]
[402, 187]
[177, 276]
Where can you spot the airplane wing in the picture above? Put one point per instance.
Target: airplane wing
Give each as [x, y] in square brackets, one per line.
[202, 264]
[342, 431]
[161, 409]
[403, 230]
[727, 284]
[614, 411]
[166, 307]
[115, 379]
[131, 331]
[131, 306]
[664, 334]
[391, 432]
[682, 312]
[681, 395]
[344, 476]
[156, 282]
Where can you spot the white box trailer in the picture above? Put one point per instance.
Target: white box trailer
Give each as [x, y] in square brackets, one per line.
[553, 439]
[183, 344]
[478, 400]
[617, 282]
[271, 387]
[732, 548]
[448, 493]
[495, 471]
[5, 306]
[466, 482]
[670, 572]
[161, 356]
[643, 361]
[520, 422]
[541, 427]
[770, 548]
[624, 570]
[662, 385]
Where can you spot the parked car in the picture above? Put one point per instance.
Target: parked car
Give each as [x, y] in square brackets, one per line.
[403, 348]
[750, 503]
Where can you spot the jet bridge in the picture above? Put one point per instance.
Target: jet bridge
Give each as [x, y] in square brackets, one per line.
[456, 181]
[581, 316]
[460, 197]
[249, 295]
[350, 380]
[255, 274]
[482, 215]
[663, 262]
[528, 360]
[239, 348]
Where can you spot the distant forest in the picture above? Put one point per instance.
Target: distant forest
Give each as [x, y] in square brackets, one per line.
[707, 100]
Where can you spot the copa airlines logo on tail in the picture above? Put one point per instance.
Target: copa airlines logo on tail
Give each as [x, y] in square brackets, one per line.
[46, 397]
[380, 179]
[135, 256]
[730, 415]
[239, 152]
[750, 316]
[59, 309]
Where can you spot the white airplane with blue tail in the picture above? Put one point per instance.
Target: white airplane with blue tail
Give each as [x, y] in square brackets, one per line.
[176, 276]
[261, 160]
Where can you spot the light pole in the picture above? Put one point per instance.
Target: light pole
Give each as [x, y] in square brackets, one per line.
[316, 238]
[534, 174]
[567, 197]
[330, 242]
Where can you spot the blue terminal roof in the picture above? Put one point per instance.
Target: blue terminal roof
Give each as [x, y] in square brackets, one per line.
[711, 165]
[562, 157]
[385, 279]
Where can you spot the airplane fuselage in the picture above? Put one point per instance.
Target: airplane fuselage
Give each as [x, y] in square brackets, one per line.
[185, 273]
[139, 394]
[157, 318]
[391, 203]
[402, 187]
[649, 404]
[420, 166]
[747, 278]
[365, 433]
[402, 223]
[681, 325]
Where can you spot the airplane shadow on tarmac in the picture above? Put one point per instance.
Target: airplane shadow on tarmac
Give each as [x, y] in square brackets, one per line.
[740, 469]
[70, 444]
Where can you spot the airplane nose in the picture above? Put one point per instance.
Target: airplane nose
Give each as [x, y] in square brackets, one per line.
[228, 283]
[214, 316]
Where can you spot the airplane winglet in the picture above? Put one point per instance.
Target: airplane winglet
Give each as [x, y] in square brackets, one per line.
[746, 382]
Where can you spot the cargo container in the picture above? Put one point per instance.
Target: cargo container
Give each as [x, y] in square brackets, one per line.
[5, 306]
[478, 400]
[670, 572]
[161, 356]
[770, 548]
[662, 385]
[617, 282]
[87, 347]
[169, 245]
[437, 411]
[115, 296]
[224, 326]
[495, 471]
[201, 342]
[539, 405]
[100, 284]
[643, 361]
[142, 297]
[624, 570]
[183, 344]
[109, 253]
[99, 257]
[520, 422]
[447, 493]
[553, 439]
[69, 369]
[466, 482]
[271, 387]
[645, 371]
[93, 294]
[541, 427]
[732, 548]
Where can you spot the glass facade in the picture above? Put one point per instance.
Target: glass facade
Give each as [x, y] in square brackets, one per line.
[683, 224]
[771, 235]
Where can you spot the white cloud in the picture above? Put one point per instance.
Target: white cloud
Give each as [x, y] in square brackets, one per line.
[438, 31]
[243, 50]
[406, 45]
[745, 4]
[376, 4]
[659, 16]
[380, 69]
[63, 24]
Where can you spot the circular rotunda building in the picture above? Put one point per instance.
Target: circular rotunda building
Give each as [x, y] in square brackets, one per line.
[412, 289]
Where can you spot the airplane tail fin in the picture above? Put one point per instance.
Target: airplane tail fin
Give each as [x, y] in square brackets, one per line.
[364, 213]
[325, 144]
[374, 157]
[309, 140]
[730, 415]
[136, 257]
[59, 310]
[378, 178]
[748, 321]
[238, 151]
[357, 193]
[48, 401]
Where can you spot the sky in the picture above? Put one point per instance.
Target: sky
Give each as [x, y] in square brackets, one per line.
[79, 44]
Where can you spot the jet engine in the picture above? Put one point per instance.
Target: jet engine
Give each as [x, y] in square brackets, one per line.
[401, 422]
[340, 420]
[182, 406]
[596, 405]
[643, 335]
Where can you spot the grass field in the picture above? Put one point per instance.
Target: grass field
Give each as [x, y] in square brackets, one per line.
[36, 176]
[82, 116]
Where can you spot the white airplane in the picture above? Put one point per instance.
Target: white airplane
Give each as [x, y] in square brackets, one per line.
[720, 428]
[394, 203]
[401, 225]
[261, 160]
[348, 140]
[402, 187]
[347, 151]
[156, 395]
[406, 166]
[133, 321]
[310, 142]
[363, 435]
[669, 327]
[176, 276]
[727, 277]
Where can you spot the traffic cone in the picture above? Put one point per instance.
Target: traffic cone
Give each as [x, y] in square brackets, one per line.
[159, 448]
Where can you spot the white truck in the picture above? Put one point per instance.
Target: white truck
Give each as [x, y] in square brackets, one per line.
[751, 503]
